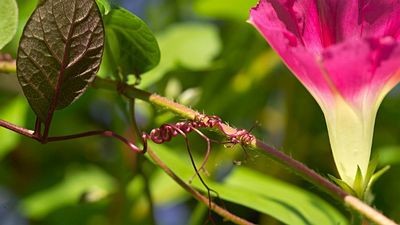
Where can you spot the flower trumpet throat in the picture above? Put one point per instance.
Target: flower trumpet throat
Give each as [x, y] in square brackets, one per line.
[346, 53]
[350, 134]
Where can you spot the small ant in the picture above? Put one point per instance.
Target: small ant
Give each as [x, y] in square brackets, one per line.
[167, 131]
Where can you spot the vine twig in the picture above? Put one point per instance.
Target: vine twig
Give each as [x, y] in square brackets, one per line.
[183, 111]
[290, 163]
[7, 63]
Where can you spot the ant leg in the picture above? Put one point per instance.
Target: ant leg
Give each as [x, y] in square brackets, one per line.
[208, 151]
[209, 190]
[244, 138]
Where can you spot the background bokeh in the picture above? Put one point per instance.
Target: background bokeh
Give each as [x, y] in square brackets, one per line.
[211, 60]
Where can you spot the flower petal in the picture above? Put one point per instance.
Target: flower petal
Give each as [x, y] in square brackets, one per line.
[360, 69]
[288, 18]
[380, 18]
[347, 54]
[357, 69]
[315, 24]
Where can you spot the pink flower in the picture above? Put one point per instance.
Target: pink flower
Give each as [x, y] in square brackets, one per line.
[347, 54]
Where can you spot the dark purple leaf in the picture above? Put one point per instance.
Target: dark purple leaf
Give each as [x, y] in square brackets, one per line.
[59, 53]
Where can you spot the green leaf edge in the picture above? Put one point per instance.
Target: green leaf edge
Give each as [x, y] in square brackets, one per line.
[114, 64]
[179, 167]
[104, 6]
[14, 20]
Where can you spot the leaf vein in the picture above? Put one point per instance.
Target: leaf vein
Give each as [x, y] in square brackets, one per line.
[46, 43]
[85, 51]
[57, 26]
[45, 75]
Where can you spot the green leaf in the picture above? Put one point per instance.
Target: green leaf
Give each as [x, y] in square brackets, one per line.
[13, 111]
[59, 53]
[104, 6]
[260, 192]
[131, 47]
[376, 176]
[25, 9]
[191, 45]
[225, 9]
[158, 181]
[78, 181]
[280, 200]
[362, 186]
[373, 164]
[369, 197]
[342, 184]
[8, 21]
[358, 185]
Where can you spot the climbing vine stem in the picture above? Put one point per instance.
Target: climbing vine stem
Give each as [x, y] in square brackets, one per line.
[290, 163]
[188, 113]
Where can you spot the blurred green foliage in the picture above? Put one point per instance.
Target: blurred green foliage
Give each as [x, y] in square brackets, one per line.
[206, 48]
[262, 193]
[14, 111]
[9, 21]
[199, 44]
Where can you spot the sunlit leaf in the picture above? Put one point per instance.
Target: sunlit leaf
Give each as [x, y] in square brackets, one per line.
[13, 111]
[159, 180]
[226, 9]
[260, 192]
[190, 96]
[131, 47]
[77, 182]
[59, 53]
[173, 88]
[25, 9]
[8, 21]
[282, 201]
[104, 6]
[191, 45]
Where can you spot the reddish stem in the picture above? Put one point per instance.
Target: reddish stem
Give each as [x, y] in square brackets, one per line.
[19, 130]
[36, 135]
[38, 127]
[302, 170]
[105, 133]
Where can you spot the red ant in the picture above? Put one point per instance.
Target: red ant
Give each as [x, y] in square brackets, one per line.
[167, 131]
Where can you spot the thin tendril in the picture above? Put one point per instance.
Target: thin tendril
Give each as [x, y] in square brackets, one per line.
[208, 151]
[209, 190]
